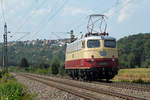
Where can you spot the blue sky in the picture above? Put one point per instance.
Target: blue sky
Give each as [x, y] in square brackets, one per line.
[42, 17]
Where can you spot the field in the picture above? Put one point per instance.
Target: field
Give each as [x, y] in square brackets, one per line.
[132, 75]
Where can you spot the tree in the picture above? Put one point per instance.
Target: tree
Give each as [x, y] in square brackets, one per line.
[55, 66]
[62, 69]
[24, 63]
[131, 60]
[43, 66]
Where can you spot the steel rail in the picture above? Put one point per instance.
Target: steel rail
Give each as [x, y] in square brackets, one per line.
[100, 91]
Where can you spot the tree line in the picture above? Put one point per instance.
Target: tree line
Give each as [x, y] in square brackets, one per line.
[55, 67]
[134, 51]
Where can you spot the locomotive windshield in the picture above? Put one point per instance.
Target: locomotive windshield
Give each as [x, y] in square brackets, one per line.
[110, 43]
[93, 43]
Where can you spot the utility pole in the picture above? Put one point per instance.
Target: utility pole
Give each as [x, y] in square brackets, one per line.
[5, 55]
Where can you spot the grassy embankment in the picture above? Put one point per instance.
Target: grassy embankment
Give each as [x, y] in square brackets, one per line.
[10, 89]
[136, 75]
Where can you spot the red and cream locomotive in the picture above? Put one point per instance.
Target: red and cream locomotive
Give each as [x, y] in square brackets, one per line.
[92, 56]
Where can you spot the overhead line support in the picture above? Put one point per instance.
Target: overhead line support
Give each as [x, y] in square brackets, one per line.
[5, 51]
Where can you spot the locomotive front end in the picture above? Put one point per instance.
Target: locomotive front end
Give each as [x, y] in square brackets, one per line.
[102, 57]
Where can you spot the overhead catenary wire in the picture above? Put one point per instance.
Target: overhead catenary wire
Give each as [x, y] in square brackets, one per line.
[26, 18]
[114, 5]
[43, 26]
[49, 19]
[21, 26]
[53, 8]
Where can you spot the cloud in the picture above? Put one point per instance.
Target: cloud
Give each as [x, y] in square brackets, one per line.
[21, 5]
[40, 12]
[126, 10]
[76, 11]
[110, 12]
[81, 11]
[12, 11]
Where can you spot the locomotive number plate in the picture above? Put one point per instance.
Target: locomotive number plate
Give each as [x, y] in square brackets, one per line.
[103, 63]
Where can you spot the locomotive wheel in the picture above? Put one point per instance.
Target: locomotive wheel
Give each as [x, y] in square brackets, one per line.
[108, 80]
[72, 74]
[85, 76]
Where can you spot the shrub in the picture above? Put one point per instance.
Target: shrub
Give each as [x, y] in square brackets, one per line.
[41, 71]
[55, 66]
[24, 63]
[62, 69]
[43, 66]
[140, 81]
[11, 91]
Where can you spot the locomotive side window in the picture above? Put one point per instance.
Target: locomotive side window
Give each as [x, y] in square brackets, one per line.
[110, 43]
[93, 43]
[83, 44]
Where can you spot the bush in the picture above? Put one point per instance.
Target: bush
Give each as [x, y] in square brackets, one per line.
[43, 66]
[140, 81]
[11, 91]
[55, 66]
[5, 77]
[0, 74]
[42, 71]
[24, 63]
[62, 69]
[14, 91]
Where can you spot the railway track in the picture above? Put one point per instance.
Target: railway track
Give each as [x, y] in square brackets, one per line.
[124, 85]
[133, 86]
[89, 93]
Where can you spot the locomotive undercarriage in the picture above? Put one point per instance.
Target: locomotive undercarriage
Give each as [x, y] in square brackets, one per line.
[92, 74]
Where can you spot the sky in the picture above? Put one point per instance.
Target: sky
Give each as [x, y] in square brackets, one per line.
[52, 19]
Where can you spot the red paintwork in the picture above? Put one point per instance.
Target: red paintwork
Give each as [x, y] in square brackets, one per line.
[87, 63]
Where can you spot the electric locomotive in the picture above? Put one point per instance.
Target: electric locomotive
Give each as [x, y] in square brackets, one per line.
[92, 56]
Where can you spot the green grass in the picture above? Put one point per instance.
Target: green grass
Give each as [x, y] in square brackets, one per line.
[136, 75]
[10, 89]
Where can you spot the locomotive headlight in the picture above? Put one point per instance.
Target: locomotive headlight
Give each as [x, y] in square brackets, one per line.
[103, 53]
[92, 58]
[113, 59]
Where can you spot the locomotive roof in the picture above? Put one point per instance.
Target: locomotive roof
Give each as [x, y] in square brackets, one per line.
[102, 37]
[99, 37]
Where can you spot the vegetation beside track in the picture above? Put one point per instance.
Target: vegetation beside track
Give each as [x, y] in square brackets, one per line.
[55, 67]
[135, 75]
[10, 89]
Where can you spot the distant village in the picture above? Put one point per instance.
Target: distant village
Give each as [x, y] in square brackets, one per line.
[51, 43]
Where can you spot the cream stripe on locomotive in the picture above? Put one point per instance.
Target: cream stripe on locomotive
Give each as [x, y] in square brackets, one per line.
[76, 51]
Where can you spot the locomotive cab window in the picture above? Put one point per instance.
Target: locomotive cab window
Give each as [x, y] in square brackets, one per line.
[110, 43]
[93, 43]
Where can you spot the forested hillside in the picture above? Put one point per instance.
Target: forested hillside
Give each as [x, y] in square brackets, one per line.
[35, 54]
[134, 51]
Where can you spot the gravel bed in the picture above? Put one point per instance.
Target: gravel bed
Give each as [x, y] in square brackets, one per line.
[113, 89]
[45, 92]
